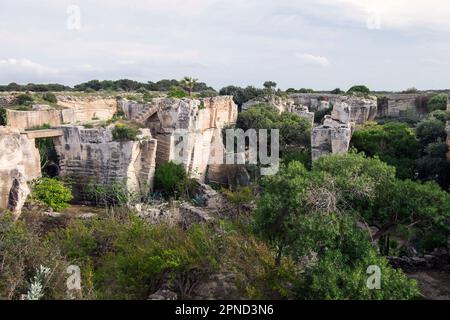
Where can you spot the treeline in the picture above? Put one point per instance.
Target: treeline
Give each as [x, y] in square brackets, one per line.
[106, 85]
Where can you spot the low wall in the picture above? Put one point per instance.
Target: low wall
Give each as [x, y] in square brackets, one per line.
[31, 119]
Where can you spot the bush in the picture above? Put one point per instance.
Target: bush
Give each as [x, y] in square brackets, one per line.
[177, 92]
[24, 100]
[359, 89]
[319, 115]
[50, 97]
[122, 132]
[171, 180]
[3, 117]
[429, 131]
[393, 143]
[437, 102]
[22, 252]
[52, 192]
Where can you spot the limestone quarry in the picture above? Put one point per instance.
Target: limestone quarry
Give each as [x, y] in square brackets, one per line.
[81, 130]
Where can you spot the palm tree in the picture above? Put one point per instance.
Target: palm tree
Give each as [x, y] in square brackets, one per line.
[188, 83]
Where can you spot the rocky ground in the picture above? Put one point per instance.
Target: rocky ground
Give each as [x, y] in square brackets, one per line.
[434, 285]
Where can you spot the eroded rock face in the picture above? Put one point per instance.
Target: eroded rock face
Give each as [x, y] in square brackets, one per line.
[89, 108]
[19, 164]
[334, 136]
[362, 108]
[188, 130]
[91, 156]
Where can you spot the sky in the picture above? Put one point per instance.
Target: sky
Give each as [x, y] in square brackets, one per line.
[319, 44]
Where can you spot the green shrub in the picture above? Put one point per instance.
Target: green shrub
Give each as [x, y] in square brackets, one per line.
[437, 102]
[24, 99]
[177, 92]
[122, 132]
[359, 89]
[22, 252]
[171, 180]
[50, 97]
[52, 192]
[319, 115]
[394, 143]
[3, 117]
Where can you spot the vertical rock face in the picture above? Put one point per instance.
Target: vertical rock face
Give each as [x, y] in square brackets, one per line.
[188, 130]
[334, 135]
[19, 164]
[91, 156]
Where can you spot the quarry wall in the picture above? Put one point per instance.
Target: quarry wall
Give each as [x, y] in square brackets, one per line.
[19, 164]
[92, 157]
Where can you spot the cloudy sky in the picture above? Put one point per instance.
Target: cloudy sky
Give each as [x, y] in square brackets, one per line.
[320, 44]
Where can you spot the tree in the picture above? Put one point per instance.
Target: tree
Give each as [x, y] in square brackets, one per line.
[24, 99]
[295, 131]
[49, 97]
[189, 83]
[395, 143]
[430, 130]
[270, 86]
[438, 102]
[337, 91]
[359, 89]
[310, 215]
[412, 204]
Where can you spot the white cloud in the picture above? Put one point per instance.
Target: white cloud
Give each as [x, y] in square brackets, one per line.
[25, 66]
[398, 14]
[313, 60]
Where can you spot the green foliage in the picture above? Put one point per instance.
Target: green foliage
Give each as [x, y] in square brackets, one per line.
[22, 252]
[239, 197]
[123, 132]
[126, 258]
[177, 92]
[294, 130]
[393, 143]
[47, 152]
[430, 130]
[299, 221]
[3, 117]
[111, 195]
[172, 181]
[188, 83]
[437, 102]
[337, 91]
[320, 115]
[52, 192]
[242, 95]
[359, 89]
[50, 97]
[24, 99]
[440, 115]
[425, 206]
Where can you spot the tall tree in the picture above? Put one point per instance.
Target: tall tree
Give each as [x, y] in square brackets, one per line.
[188, 83]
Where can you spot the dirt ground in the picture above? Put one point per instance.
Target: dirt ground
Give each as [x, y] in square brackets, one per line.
[435, 285]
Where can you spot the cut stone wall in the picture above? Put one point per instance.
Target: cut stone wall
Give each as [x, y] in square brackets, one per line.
[196, 124]
[90, 156]
[89, 108]
[71, 110]
[31, 119]
[19, 164]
